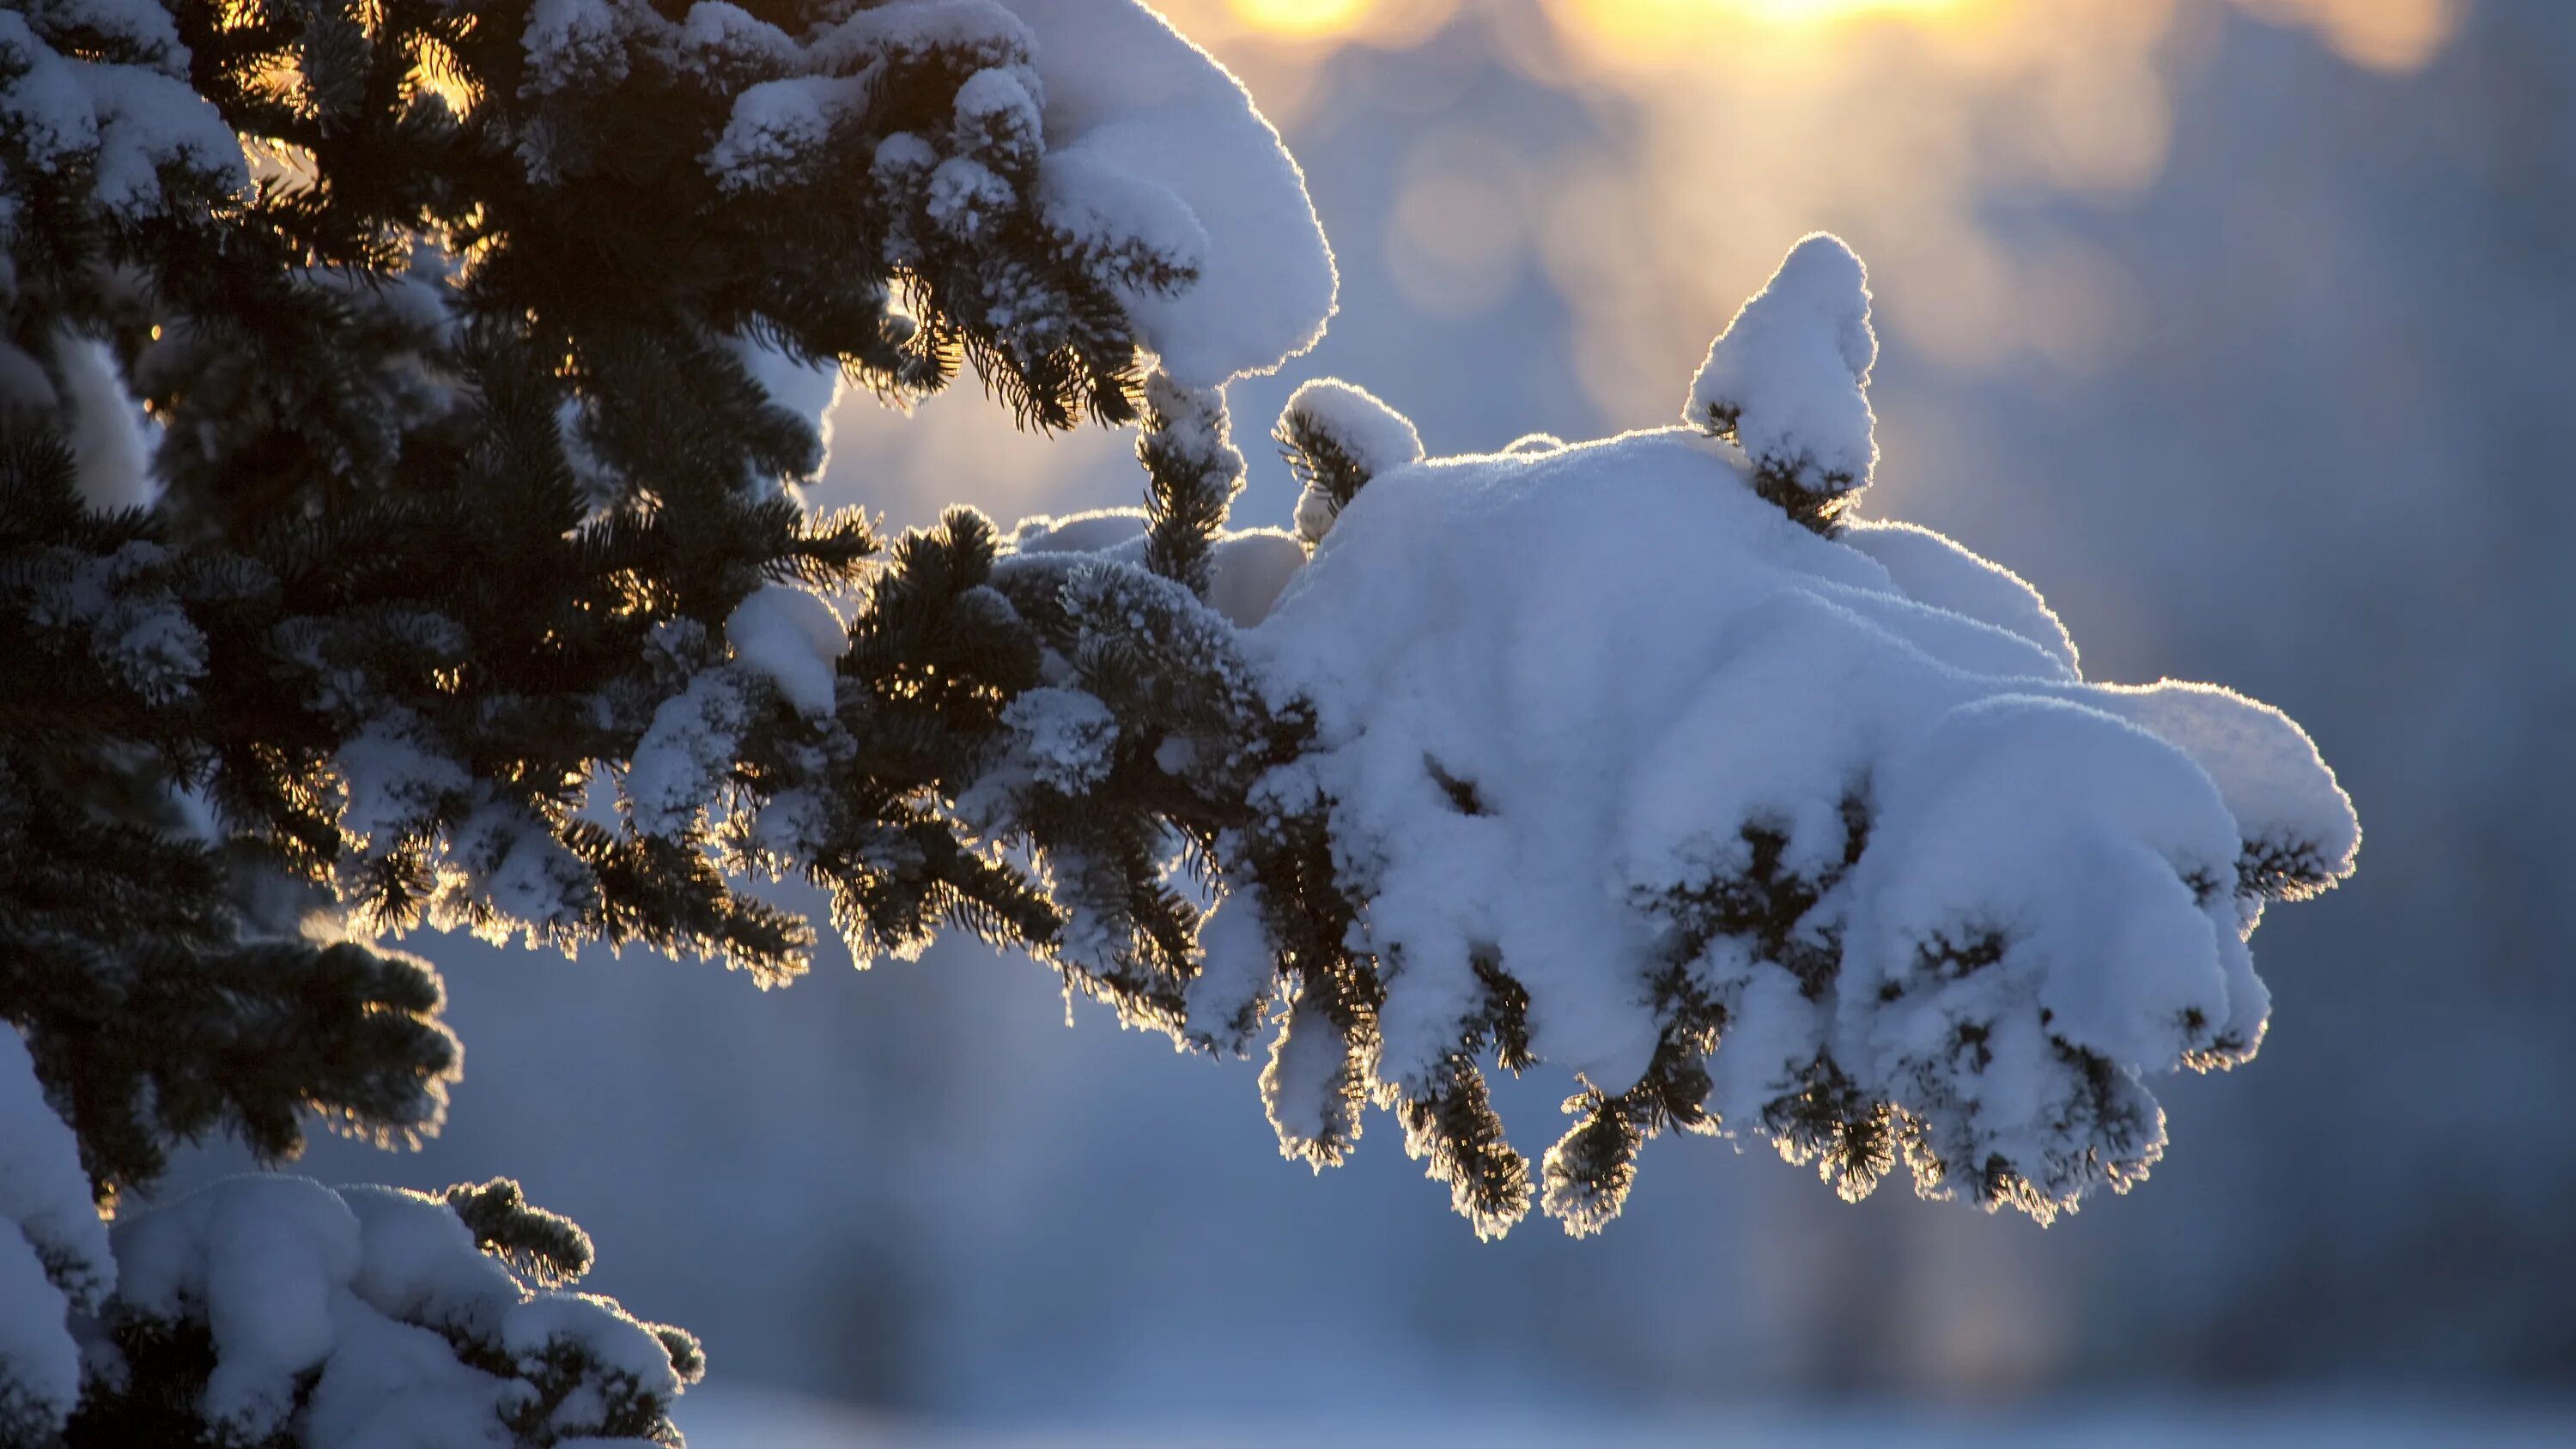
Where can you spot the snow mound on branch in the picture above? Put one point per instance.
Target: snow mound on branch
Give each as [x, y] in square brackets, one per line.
[1570, 702]
[1372, 435]
[1363, 436]
[793, 639]
[345, 1318]
[1787, 379]
[1134, 114]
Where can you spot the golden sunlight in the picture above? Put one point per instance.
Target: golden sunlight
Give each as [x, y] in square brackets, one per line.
[1664, 16]
[1300, 17]
[1311, 19]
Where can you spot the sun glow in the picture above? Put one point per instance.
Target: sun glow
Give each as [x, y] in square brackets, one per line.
[1300, 17]
[1665, 16]
[1655, 155]
[1308, 19]
[2395, 35]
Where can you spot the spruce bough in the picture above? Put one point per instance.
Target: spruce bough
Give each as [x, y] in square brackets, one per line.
[454, 575]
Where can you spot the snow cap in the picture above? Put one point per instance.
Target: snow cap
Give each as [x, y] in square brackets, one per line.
[1788, 379]
[1339, 436]
[1128, 98]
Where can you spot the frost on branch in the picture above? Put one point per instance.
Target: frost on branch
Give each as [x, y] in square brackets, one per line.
[1640, 758]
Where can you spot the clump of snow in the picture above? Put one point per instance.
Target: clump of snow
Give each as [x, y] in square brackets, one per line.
[778, 130]
[1313, 1088]
[1064, 735]
[1633, 757]
[131, 622]
[718, 40]
[966, 197]
[2300, 831]
[997, 119]
[111, 439]
[505, 870]
[1340, 435]
[552, 1322]
[1787, 379]
[791, 638]
[1225, 1000]
[1129, 100]
[260, 1258]
[1109, 212]
[1057, 738]
[1371, 434]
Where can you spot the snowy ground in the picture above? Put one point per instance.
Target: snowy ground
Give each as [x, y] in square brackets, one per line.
[751, 1419]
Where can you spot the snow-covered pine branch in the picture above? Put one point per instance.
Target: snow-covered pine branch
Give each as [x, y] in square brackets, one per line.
[1643, 758]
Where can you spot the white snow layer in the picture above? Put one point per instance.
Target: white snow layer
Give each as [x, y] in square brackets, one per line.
[686, 755]
[1129, 105]
[1787, 379]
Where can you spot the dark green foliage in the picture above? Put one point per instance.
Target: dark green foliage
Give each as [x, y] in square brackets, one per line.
[462, 469]
[545, 1248]
[459, 456]
[121, 952]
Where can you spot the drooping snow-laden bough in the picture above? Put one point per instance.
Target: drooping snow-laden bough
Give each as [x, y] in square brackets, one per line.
[1648, 758]
[401, 410]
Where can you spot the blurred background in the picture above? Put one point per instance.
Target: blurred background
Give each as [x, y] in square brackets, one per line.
[2239, 327]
